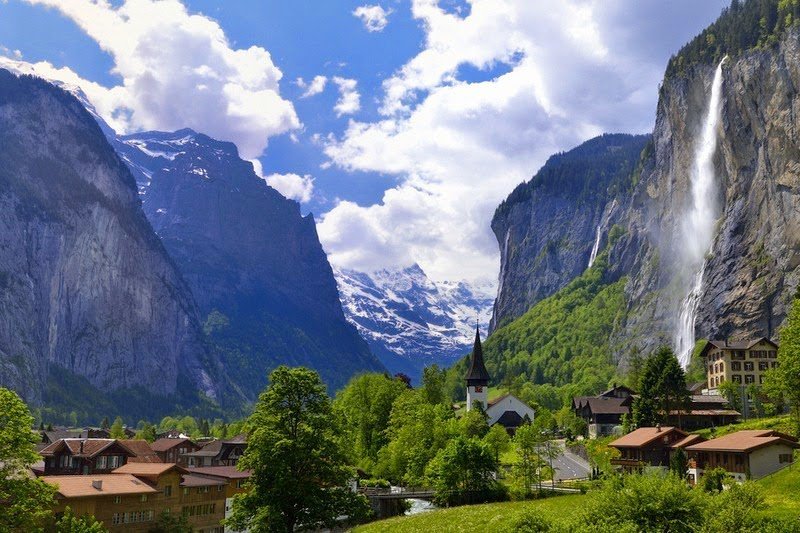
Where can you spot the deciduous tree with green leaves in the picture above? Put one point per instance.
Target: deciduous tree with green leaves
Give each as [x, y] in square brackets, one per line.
[69, 522]
[299, 471]
[463, 472]
[497, 440]
[117, 430]
[784, 381]
[25, 502]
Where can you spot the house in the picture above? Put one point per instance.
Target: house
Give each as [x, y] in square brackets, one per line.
[203, 500]
[743, 363]
[704, 411]
[122, 502]
[750, 454]
[217, 453]
[603, 413]
[84, 456]
[507, 410]
[174, 450]
[650, 447]
[236, 482]
[142, 452]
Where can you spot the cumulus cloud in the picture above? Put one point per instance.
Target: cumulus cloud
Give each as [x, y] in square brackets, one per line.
[349, 100]
[177, 70]
[292, 185]
[554, 74]
[374, 18]
[314, 87]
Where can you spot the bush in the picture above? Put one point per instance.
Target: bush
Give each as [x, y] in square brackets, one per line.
[533, 521]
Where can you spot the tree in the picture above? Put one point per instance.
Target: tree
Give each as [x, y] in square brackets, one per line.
[678, 463]
[474, 423]
[171, 523]
[527, 470]
[498, 441]
[663, 389]
[713, 480]
[433, 379]
[570, 424]
[117, 429]
[733, 393]
[70, 523]
[299, 473]
[147, 432]
[26, 502]
[463, 472]
[784, 381]
[105, 424]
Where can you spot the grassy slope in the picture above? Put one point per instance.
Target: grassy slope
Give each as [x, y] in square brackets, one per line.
[777, 423]
[495, 517]
[782, 490]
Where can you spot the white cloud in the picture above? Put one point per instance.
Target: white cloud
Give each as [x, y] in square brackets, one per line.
[349, 100]
[292, 185]
[179, 70]
[314, 87]
[374, 18]
[555, 74]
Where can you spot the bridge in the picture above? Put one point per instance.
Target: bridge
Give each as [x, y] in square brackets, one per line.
[388, 502]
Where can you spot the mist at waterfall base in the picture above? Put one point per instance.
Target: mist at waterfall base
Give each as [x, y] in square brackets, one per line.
[698, 228]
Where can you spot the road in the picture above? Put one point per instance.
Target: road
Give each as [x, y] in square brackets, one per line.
[569, 466]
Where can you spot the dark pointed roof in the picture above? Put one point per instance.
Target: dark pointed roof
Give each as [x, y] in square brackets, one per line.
[477, 374]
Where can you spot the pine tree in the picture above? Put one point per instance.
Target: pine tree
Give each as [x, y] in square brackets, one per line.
[663, 389]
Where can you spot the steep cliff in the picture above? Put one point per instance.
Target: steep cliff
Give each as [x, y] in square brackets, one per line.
[259, 274]
[549, 228]
[87, 287]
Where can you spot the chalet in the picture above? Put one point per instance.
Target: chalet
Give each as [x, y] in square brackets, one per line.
[507, 410]
[603, 413]
[236, 481]
[650, 447]
[203, 500]
[142, 452]
[743, 363]
[84, 456]
[705, 410]
[217, 453]
[174, 450]
[750, 454]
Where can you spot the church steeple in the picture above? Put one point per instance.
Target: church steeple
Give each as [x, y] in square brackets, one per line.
[477, 377]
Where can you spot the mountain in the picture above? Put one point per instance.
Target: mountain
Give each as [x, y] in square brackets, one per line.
[90, 298]
[264, 287]
[410, 321]
[707, 233]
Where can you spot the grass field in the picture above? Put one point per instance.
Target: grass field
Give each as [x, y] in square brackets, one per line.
[499, 517]
[778, 423]
[782, 491]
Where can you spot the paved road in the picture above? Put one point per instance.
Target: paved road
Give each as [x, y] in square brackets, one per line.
[570, 466]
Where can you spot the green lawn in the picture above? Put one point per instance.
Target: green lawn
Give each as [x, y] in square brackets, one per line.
[782, 491]
[499, 517]
[778, 423]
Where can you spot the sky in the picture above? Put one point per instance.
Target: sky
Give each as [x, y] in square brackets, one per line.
[400, 124]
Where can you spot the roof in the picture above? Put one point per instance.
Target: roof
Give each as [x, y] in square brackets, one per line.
[605, 405]
[110, 485]
[687, 441]
[725, 345]
[708, 398]
[644, 436]
[196, 480]
[148, 469]
[705, 412]
[228, 472]
[241, 438]
[510, 419]
[211, 449]
[162, 445]
[745, 441]
[142, 451]
[610, 392]
[477, 369]
[82, 447]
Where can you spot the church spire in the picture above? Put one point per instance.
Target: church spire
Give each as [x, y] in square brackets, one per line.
[477, 374]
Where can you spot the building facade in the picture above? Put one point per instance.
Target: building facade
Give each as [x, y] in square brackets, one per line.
[742, 363]
[650, 447]
[750, 454]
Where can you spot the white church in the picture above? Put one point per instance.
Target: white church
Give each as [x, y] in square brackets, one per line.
[507, 410]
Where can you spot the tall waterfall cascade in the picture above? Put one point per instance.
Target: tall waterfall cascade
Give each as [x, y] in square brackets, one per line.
[698, 229]
[596, 247]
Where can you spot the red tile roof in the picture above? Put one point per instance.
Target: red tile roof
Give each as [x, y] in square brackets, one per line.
[644, 436]
[110, 485]
[143, 453]
[687, 441]
[162, 445]
[745, 441]
[82, 447]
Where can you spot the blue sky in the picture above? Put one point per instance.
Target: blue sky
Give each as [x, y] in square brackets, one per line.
[457, 101]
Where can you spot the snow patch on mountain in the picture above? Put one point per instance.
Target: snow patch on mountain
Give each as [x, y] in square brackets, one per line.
[409, 320]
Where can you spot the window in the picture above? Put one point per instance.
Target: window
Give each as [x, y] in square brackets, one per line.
[736, 365]
[202, 490]
[143, 498]
[117, 499]
[785, 458]
[749, 378]
[239, 483]
[722, 367]
[763, 365]
[168, 491]
[102, 462]
[220, 488]
[116, 519]
[736, 378]
[773, 354]
[748, 366]
[185, 491]
[761, 380]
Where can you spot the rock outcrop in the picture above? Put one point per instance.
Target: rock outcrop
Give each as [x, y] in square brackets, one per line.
[87, 287]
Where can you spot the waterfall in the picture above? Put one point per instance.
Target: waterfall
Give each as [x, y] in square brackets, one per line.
[698, 230]
[595, 248]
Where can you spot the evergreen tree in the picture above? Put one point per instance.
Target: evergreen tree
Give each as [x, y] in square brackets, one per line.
[26, 502]
[299, 475]
[433, 380]
[105, 423]
[663, 389]
[678, 463]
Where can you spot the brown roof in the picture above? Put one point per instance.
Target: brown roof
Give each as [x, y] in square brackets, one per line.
[142, 451]
[705, 412]
[644, 436]
[162, 445]
[725, 345]
[211, 449]
[111, 485]
[228, 472]
[687, 441]
[192, 480]
[745, 441]
[148, 469]
[82, 447]
[605, 405]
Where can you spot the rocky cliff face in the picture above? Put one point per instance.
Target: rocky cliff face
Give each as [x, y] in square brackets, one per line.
[751, 272]
[411, 321]
[87, 287]
[262, 281]
[548, 228]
